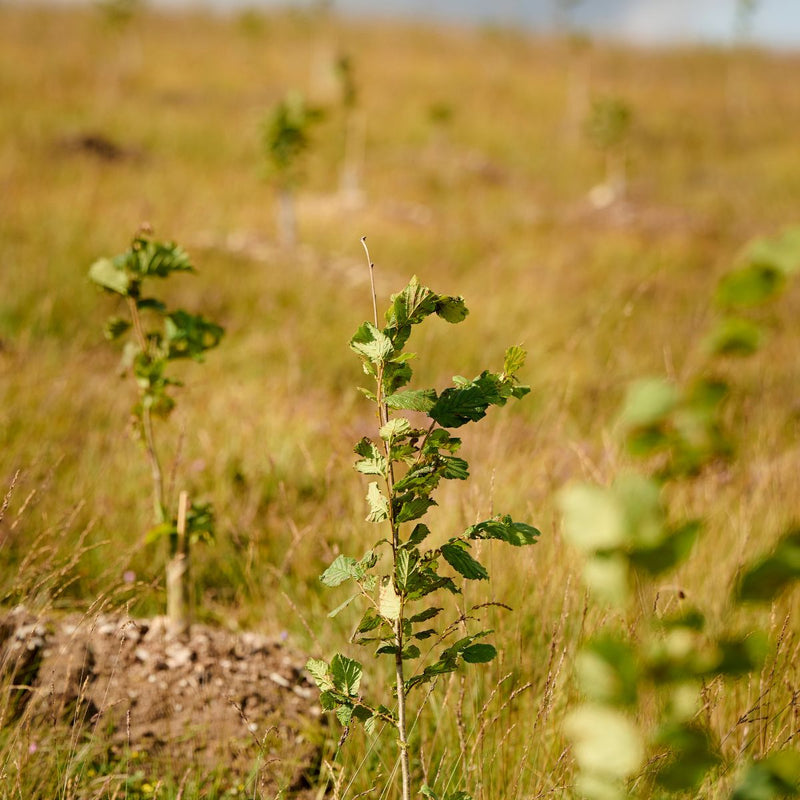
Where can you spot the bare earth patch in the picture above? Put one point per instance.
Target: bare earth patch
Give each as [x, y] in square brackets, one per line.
[239, 705]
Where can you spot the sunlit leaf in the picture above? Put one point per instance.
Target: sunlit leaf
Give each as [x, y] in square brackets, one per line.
[346, 674]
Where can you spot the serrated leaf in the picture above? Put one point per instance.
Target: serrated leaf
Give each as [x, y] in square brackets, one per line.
[417, 537]
[412, 400]
[394, 429]
[405, 566]
[455, 554]
[503, 528]
[454, 468]
[514, 360]
[369, 622]
[457, 406]
[413, 508]
[373, 461]
[371, 343]
[346, 674]
[344, 713]
[378, 504]
[411, 305]
[320, 672]
[342, 569]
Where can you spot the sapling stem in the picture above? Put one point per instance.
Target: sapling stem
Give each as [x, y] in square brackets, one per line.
[383, 414]
[156, 473]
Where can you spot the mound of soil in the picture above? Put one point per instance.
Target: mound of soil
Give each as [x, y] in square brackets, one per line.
[214, 700]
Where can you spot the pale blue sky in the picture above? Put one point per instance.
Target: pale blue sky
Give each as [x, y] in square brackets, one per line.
[773, 22]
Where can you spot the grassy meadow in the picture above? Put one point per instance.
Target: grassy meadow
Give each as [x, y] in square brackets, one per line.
[474, 175]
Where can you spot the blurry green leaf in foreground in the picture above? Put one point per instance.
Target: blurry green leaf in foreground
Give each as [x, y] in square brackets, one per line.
[106, 273]
[648, 401]
[767, 577]
[608, 671]
[735, 337]
[749, 286]
[776, 776]
[781, 252]
[605, 742]
[692, 755]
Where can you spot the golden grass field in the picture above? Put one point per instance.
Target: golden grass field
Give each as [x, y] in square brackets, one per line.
[475, 177]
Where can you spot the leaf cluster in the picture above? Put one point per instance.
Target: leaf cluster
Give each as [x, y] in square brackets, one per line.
[286, 136]
[156, 335]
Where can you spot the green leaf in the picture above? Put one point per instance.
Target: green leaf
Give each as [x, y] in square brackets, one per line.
[514, 360]
[765, 579]
[373, 461]
[457, 406]
[405, 567]
[369, 622]
[648, 402]
[149, 258]
[344, 713]
[418, 536]
[378, 504]
[772, 778]
[411, 305]
[159, 532]
[115, 327]
[454, 468]
[342, 607]
[413, 508]
[371, 343]
[455, 554]
[320, 672]
[346, 675]
[505, 529]
[342, 569]
[107, 273]
[395, 429]
[150, 304]
[781, 252]
[593, 518]
[190, 335]
[605, 742]
[670, 552]
[424, 616]
[412, 400]
[480, 653]
[451, 309]
[750, 285]
[608, 671]
[735, 336]
[692, 756]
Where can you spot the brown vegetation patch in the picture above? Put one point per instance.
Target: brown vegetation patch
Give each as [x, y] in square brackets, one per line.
[238, 704]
